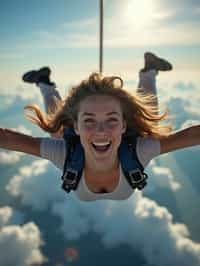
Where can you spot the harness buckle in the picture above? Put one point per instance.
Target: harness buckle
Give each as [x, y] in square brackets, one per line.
[69, 179]
[138, 179]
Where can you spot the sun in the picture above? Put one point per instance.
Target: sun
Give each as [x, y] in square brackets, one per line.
[139, 13]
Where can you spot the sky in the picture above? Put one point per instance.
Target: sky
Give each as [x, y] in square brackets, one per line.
[38, 221]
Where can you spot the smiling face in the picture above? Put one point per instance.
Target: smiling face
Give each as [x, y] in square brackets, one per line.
[100, 125]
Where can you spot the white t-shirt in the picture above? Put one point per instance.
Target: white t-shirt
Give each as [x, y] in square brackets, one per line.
[54, 150]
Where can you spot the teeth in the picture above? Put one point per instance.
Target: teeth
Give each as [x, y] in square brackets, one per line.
[101, 143]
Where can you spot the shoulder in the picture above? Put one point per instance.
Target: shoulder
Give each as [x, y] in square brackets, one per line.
[54, 150]
[147, 148]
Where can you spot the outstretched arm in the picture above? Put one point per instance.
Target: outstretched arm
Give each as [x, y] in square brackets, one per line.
[182, 139]
[15, 141]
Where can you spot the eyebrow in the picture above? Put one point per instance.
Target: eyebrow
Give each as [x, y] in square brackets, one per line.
[92, 114]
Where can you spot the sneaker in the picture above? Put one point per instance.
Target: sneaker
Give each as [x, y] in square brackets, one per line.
[35, 76]
[154, 62]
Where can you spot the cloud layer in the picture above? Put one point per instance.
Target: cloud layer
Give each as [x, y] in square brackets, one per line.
[139, 221]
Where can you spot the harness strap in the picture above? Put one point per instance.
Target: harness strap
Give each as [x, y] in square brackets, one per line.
[131, 166]
[74, 161]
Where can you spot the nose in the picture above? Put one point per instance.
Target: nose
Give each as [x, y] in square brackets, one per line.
[100, 127]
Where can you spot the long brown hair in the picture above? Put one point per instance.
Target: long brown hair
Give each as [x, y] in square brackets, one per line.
[139, 111]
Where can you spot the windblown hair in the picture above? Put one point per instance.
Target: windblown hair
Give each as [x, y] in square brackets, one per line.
[139, 111]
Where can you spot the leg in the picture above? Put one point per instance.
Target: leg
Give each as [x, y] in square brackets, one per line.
[147, 83]
[147, 75]
[48, 89]
[50, 96]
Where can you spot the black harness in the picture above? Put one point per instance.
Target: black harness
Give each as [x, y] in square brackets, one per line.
[74, 162]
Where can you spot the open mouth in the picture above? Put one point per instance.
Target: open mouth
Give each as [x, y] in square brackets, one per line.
[101, 146]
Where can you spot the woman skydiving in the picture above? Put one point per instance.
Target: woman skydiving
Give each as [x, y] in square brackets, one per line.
[99, 114]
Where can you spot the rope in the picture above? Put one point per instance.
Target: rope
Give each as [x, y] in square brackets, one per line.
[100, 36]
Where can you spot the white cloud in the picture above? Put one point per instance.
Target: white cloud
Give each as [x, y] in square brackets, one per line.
[161, 177]
[9, 90]
[8, 216]
[5, 215]
[71, 210]
[190, 123]
[5, 102]
[9, 157]
[90, 23]
[23, 129]
[124, 36]
[52, 40]
[132, 222]
[139, 222]
[38, 184]
[19, 245]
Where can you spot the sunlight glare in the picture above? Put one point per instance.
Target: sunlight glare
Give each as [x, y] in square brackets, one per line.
[139, 13]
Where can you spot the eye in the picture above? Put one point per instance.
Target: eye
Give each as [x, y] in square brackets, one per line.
[89, 121]
[113, 120]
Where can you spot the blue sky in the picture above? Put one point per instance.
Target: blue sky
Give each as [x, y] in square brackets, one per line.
[64, 35]
[158, 227]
